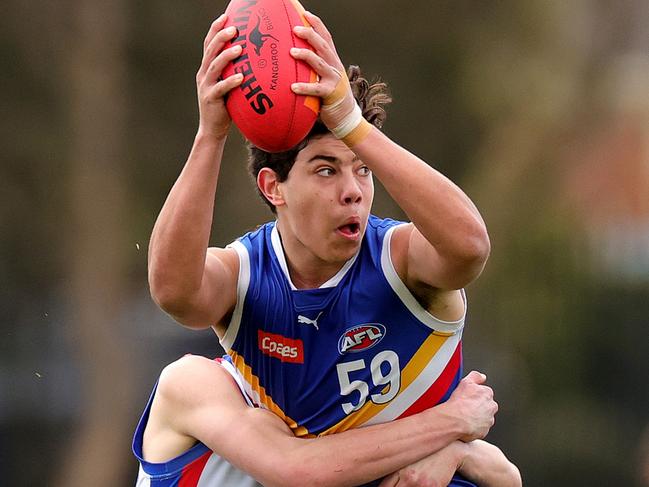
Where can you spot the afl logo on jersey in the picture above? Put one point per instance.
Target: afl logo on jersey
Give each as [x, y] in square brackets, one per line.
[361, 337]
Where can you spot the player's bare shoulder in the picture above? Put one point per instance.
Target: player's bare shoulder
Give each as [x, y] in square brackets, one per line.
[227, 256]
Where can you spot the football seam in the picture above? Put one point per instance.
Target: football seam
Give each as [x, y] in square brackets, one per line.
[293, 108]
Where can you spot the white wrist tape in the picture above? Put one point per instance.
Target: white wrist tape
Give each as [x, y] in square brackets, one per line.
[349, 123]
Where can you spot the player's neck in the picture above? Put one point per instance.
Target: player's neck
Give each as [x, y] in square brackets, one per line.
[306, 270]
[309, 280]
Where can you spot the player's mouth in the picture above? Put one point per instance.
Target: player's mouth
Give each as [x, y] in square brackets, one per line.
[351, 229]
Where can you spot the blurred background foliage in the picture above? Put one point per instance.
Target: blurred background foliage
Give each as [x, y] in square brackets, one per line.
[539, 109]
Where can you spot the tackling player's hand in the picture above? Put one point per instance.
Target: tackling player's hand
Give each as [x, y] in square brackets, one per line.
[214, 118]
[487, 466]
[473, 403]
[437, 469]
[332, 86]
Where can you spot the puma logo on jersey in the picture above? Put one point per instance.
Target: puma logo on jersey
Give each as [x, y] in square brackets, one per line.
[361, 337]
[303, 320]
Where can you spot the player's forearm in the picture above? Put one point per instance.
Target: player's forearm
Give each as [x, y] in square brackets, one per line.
[181, 234]
[359, 456]
[440, 210]
[486, 465]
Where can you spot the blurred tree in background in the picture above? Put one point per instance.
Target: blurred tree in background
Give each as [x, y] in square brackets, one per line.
[539, 109]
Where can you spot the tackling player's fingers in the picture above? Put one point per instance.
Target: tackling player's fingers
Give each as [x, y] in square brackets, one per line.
[488, 391]
[390, 480]
[476, 377]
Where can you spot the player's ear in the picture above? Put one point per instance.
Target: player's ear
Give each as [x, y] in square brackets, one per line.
[270, 187]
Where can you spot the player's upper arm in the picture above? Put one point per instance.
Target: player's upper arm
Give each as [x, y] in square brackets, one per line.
[201, 399]
[215, 298]
[204, 402]
[420, 264]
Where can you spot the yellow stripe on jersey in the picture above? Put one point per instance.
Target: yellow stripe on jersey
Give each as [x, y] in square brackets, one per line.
[253, 381]
[409, 373]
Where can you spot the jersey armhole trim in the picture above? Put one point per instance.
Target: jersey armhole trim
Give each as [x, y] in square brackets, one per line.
[242, 289]
[226, 363]
[408, 299]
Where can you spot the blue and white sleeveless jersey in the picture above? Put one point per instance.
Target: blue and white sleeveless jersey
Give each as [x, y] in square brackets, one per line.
[198, 466]
[359, 350]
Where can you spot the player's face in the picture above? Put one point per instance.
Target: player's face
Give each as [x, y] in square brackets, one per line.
[327, 195]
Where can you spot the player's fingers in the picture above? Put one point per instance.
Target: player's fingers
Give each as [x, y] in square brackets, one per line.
[223, 87]
[476, 377]
[216, 26]
[328, 75]
[215, 69]
[312, 37]
[319, 65]
[390, 481]
[322, 48]
[215, 46]
[219, 40]
[310, 89]
[319, 26]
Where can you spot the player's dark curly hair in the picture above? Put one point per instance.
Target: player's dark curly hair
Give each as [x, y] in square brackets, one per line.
[371, 97]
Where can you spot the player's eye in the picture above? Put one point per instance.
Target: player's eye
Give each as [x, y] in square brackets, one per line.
[325, 171]
[364, 171]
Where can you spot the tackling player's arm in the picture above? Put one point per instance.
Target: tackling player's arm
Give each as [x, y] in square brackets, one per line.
[447, 245]
[193, 284]
[478, 461]
[197, 399]
[486, 465]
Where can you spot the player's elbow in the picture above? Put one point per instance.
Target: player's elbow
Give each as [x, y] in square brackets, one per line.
[164, 295]
[476, 246]
[167, 284]
[468, 257]
[167, 292]
[178, 303]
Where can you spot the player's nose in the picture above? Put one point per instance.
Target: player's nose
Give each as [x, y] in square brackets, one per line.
[351, 190]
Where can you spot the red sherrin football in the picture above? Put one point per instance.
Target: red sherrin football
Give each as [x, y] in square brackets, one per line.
[264, 108]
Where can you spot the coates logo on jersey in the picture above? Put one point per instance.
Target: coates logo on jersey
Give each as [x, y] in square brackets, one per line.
[286, 349]
[361, 337]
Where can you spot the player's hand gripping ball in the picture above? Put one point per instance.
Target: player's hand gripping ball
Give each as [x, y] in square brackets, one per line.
[263, 106]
